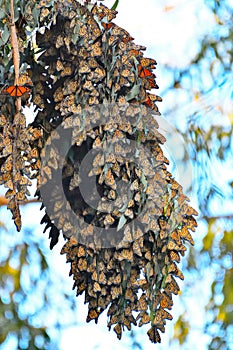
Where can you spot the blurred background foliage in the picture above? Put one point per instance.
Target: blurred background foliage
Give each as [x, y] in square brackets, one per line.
[34, 303]
[30, 290]
[208, 84]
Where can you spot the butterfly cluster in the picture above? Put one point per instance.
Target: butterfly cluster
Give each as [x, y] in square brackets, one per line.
[19, 161]
[19, 146]
[92, 84]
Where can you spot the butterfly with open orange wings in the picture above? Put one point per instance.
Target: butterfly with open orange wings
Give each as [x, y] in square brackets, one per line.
[16, 90]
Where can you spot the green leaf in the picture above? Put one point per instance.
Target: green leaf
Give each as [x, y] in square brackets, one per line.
[2, 13]
[115, 5]
[75, 38]
[181, 329]
[121, 222]
[144, 181]
[133, 93]
[5, 35]
[22, 6]
[35, 14]
[16, 11]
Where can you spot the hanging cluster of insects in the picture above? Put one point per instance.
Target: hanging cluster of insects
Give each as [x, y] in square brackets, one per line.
[89, 85]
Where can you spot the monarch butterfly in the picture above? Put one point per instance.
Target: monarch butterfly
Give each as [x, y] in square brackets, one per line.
[92, 62]
[96, 49]
[127, 38]
[172, 287]
[99, 73]
[126, 253]
[142, 302]
[118, 330]
[174, 270]
[166, 302]
[102, 278]
[87, 231]
[152, 83]
[144, 72]
[144, 319]
[115, 292]
[92, 315]
[151, 99]
[16, 90]
[20, 196]
[135, 53]
[174, 256]
[109, 220]
[137, 248]
[186, 235]
[148, 62]
[154, 335]
[24, 79]
[82, 264]
[107, 26]
[173, 246]
[81, 287]
[120, 32]
[129, 295]
[96, 287]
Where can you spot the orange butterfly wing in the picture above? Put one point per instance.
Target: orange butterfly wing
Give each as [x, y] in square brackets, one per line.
[9, 90]
[144, 72]
[20, 90]
[136, 53]
[152, 83]
[127, 39]
[15, 90]
[150, 99]
[107, 26]
[148, 62]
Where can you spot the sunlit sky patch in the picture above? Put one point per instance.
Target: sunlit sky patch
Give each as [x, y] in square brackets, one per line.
[169, 29]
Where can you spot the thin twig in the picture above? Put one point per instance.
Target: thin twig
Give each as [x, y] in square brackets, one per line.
[16, 62]
[4, 201]
[15, 50]
[14, 43]
[217, 217]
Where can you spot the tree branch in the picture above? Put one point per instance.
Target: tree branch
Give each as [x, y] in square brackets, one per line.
[217, 217]
[4, 201]
[15, 49]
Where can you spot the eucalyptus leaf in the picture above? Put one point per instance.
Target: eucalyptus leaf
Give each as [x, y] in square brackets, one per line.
[22, 6]
[6, 61]
[76, 28]
[5, 35]
[1, 73]
[121, 222]
[7, 6]
[133, 93]
[16, 12]
[2, 14]
[123, 208]
[74, 38]
[116, 3]
[144, 180]
[35, 14]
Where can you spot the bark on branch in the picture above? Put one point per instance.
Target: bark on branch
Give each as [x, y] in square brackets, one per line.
[15, 50]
